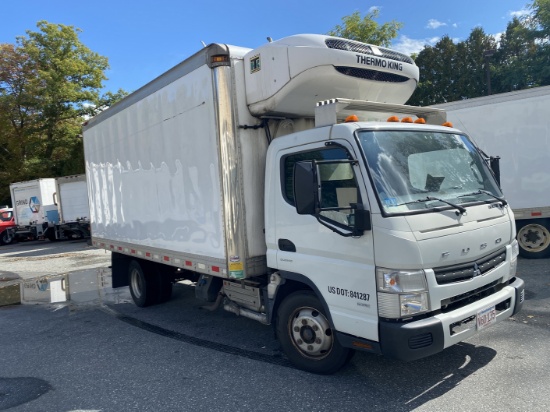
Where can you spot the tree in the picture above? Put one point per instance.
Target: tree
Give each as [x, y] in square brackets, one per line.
[366, 30]
[49, 80]
[454, 71]
[436, 65]
[515, 58]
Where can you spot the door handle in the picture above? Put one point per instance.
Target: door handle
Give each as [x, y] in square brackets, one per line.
[286, 245]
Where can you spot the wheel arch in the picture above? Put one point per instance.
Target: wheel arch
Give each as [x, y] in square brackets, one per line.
[295, 282]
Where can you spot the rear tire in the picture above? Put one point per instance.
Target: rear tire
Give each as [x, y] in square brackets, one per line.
[306, 336]
[141, 286]
[533, 238]
[149, 284]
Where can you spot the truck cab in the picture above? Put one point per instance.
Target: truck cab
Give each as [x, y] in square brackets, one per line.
[399, 228]
[7, 221]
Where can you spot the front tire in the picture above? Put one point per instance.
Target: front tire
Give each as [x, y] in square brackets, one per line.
[306, 336]
[533, 238]
[6, 238]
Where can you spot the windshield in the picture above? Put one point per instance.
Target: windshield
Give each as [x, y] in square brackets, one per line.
[5, 216]
[417, 171]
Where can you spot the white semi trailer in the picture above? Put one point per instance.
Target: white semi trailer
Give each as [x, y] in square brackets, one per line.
[366, 234]
[515, 127]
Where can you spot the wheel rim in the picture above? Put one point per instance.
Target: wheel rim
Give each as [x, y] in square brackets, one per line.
[534, 238]
[311, 333]
[6, 238]
[136, 284]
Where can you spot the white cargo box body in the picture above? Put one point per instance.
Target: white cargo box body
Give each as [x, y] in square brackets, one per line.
[514, 126]
[72, 198]
[32, 200]
[170, 174]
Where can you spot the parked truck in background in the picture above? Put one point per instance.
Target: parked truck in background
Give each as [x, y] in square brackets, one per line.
[341, 229]
[515, 127]
[73, 211]
[51, 208]
[33, 206]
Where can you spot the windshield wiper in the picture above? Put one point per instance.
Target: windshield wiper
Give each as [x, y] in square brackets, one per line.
[486, 192]
[461, 209]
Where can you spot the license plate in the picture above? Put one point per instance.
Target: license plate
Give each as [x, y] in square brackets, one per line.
[486, 317]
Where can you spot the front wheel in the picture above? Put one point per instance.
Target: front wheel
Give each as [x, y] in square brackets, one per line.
[534, 238]
[6, 237]
[306, 336]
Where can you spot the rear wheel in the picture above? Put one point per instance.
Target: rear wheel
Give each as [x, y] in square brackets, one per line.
[141, 286]
[149, 284]
[534, 238]
[306, 336]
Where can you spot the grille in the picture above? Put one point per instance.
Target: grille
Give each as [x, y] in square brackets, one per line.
[357, 47]
[467, 271]
[372, 75]
[421, 341]
[472, 296]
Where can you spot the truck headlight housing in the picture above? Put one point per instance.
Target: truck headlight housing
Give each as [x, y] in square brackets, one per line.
[401, 293]
[514, 258]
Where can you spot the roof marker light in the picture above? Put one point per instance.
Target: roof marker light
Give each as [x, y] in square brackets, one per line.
[420, 120]
[351, 118]
[393, 119]
[447, 124]
[407, 120]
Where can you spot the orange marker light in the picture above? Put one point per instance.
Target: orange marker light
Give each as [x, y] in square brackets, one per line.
[393, 119]
[407, 120]
[420, 120]
[352, 118]
[447, 124]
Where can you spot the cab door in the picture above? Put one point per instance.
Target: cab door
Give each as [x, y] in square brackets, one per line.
[341, 267]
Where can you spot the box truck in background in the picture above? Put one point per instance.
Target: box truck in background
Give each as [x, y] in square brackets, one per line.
[73, 211]
[341, 229]
[52, 208]
[515, 126]
[33, 207]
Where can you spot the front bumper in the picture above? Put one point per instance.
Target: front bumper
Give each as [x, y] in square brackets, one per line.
[418, 339]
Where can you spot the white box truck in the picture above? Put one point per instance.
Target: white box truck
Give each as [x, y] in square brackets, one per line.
[51, 208]
[515, 127]
[33, 206]
[71, 199]
[342, 231]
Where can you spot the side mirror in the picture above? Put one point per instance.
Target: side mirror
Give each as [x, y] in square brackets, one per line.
[362, 221]
[495, 167]
[305, 187]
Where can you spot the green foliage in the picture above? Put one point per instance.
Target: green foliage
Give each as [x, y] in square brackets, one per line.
[366, 30]
[450, 72]
[49, 81]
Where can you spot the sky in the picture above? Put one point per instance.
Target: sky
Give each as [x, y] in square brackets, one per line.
[143, 39]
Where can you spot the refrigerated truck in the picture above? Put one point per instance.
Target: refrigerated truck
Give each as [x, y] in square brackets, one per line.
[515, 127]
[279, 181]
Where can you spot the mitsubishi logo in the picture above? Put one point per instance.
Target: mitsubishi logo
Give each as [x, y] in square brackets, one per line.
[477, 271]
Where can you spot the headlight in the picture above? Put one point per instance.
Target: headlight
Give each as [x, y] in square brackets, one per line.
[515, 249]
[401, 293]
[514, 258]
